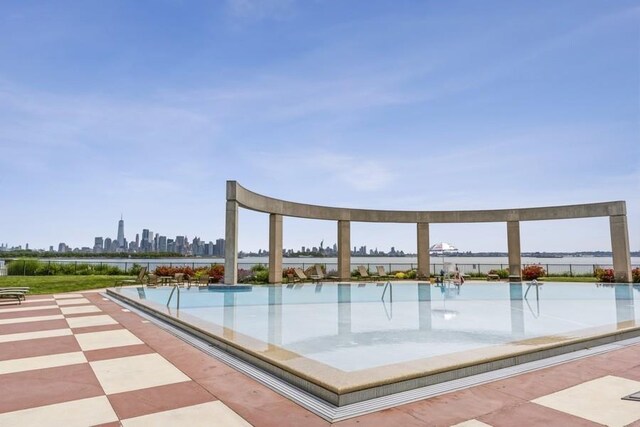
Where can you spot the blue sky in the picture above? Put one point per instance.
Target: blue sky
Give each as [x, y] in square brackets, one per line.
[147, 107]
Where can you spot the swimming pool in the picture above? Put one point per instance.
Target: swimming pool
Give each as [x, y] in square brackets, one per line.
[346, 343]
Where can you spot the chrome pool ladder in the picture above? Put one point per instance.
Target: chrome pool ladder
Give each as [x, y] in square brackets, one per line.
[171, 295]
[390, 286]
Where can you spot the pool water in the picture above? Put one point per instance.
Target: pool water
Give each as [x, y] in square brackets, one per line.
[351, 328]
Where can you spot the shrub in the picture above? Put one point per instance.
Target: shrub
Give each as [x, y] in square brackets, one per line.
[244, 276]
[400, 275]
[411, 274]
[259, 267]
[135, 269]
[531, 272]
[163, 270]
[21, 267]
[478, 274]
[34, 267]
[216, 272]
[261, 276]
[605, 275]
[502, 273]
[287, 271]
[635, 274]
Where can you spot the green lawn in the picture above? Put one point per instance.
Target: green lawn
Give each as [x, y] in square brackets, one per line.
[59, 284]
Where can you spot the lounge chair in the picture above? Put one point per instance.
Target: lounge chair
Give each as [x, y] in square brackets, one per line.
[381, 273]
[152, 280]
[179, 278]
[364, 274]
[203, 280]
[137, 281]
[301, 276]
[316, 278]
[19, 293]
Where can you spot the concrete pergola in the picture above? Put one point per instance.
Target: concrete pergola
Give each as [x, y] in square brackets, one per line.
[238, 196]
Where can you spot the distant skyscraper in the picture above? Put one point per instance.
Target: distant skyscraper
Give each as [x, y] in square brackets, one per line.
[98, 244]
[107, 244]
[180, 241]
[145, 246]
[121, 233]
[220, 247]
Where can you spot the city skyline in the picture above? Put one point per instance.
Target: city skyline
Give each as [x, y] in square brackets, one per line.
[453, 106]
[149, 241]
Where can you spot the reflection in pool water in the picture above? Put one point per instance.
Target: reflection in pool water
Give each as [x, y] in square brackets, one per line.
[349, 327]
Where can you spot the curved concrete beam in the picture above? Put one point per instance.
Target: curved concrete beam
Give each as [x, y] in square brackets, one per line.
[238, 196]
[257, 202]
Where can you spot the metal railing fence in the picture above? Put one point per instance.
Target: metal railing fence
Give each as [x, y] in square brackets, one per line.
[42, 267]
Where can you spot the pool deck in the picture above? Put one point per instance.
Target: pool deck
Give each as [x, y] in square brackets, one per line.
[80, 359]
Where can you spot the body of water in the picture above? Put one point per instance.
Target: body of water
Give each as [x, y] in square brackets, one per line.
[354, 259]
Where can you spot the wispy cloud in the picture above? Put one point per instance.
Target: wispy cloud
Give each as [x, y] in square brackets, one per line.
[40, 125]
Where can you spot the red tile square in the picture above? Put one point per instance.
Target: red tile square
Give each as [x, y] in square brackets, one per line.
[29, 313]
[44, 325]
[39, 347]
[260, 405]
[531, 414]
[117, 352]
[41, 387]
[157, 399]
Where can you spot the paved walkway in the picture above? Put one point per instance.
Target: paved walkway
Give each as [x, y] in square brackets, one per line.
[79, 359]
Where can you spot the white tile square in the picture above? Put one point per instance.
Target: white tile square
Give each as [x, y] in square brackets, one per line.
[30, 319]
[80, 309]
[205, 415]
[32, 308]
[77, 413]
[136, 372]
[598, 400]
[41, 362]
[64, 296]
[106, 339]
[471, 423]
[30, 300]
[86, 321]
[72, 301]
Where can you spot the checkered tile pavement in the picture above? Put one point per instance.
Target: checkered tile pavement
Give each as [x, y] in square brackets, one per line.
[79, 359]
[64, 361]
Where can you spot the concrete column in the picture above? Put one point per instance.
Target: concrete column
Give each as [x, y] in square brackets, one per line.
[344, 250]
[620, 248]
[275, 248]
[513, 246]
[231, 244]
[423, 250]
